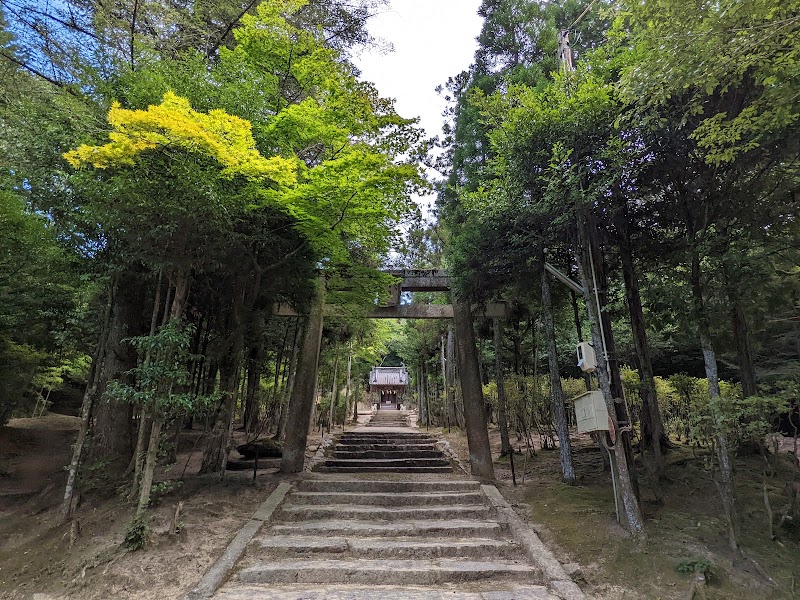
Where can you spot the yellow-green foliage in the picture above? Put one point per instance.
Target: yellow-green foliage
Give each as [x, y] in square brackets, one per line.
[174, 124]
[684, 403]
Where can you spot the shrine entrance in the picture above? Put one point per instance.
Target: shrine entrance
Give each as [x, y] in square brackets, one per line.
[397, 307]
[389, 384]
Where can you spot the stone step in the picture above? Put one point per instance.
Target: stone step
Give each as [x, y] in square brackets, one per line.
[443, 528]
[387, 445]
[397, 572]
[391, 499]
[397, 453]
[388, 548]
[387, 487]
[408, 433]
[384, 447]
[385, 438]
[497, 591]
[397, 469]
[295, 513]
[381, 444]
[387, 462]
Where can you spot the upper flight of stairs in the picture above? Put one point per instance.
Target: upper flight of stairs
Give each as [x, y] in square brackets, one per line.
[388, 418]
[336, 539]
[385, 452]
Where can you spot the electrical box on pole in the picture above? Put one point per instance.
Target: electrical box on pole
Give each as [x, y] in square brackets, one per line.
[591, 412]
[587, 359]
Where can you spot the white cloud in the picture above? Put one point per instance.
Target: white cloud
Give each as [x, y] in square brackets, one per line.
[433, 40]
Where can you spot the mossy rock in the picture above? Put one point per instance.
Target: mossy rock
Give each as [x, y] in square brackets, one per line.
[263, 448]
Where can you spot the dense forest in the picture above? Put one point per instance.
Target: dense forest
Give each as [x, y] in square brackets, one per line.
[170, 173]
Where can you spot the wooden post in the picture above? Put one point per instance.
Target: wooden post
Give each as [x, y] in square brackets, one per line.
[302, 399]
[480, 455]
[501, 392]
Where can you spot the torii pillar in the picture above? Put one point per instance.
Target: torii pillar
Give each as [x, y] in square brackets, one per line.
[301, 403]
[480, 455]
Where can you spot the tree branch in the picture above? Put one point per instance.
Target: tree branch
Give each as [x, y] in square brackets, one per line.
[60, 84]
[213, 49]
[71, 25]
[133, 32]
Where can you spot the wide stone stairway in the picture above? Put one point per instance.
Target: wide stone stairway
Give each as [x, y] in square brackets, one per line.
[383, 530]
[340, 538]
[385, 450]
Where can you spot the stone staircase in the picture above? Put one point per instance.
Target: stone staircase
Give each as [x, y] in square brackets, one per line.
[338, 538]
[363, 451]
[388, 418]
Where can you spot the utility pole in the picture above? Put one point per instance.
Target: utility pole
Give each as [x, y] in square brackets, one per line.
[590, 263]
[565, 51]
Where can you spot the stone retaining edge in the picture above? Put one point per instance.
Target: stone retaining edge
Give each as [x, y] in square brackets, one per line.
[557, 579]
[216, 573]
[319, 455]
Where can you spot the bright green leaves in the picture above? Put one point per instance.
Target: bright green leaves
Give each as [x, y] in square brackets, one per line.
[174, 124]
[287, 57]
[278, 124]
[547, 141]
[162, 377]
[733, 66]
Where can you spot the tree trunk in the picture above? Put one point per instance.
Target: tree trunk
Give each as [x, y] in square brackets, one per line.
[448, 419]
[215, 453]
[149, 466]
[301, 402]
[480, 455]
[505, 444]
[556, 392]
[725, 481]
[631, 509]
[86, 413]
[112, 438]
[423, 408]
[347, 385]
[652, 426]
[450, 364]
[216, 449]
[252, 401]
[617, 389]
[286, 393]
[334, 392]
[741, 333]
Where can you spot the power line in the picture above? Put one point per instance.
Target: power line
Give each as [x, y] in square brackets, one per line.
[583, 14]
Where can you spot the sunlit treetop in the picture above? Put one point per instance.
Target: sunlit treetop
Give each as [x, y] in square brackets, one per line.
[174, 124]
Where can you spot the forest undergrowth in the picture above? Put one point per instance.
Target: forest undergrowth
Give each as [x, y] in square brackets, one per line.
[686, 536]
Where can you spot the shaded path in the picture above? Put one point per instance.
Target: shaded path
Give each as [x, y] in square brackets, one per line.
[382, 531]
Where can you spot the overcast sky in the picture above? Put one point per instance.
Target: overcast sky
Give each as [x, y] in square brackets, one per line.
[433, 40]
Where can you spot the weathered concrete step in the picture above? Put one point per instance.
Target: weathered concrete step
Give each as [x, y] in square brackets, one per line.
[408, 433]
[387, 487]
[499, 591]
[422, 445]
[389, 548]
[398, 453]
[397, 572]
[387, 462]
[388, 499]
[380, 444]
[445, 528]
[385, 438]
[295, 513]
[399, 469]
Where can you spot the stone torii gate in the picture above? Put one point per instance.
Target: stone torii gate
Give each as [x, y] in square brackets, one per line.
[411, 280]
